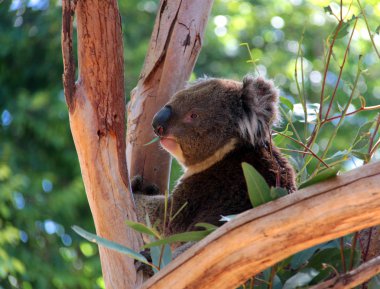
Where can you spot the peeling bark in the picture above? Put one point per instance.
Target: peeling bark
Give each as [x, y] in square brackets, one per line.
[97, 113]
[174, 47]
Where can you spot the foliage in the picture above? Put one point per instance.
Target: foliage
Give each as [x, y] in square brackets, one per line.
[41, 192]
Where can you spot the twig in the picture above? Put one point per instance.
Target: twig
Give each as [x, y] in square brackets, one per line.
[353, 278]
[364, 108]
[327, 64]
[353, 247]
[368, 29]
[371, 147]
[305, 147]
[374, 148]
[296, 151]
[341, 242]
[368, 245]
[289, 119]
[327, 67]
[302, 96]
[271, 277]
[332, 137]
[341, 69]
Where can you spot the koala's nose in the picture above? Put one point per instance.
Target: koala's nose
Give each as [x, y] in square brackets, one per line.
[160, 120]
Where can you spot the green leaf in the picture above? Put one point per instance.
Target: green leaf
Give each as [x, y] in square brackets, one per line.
[152, 141]
[302, 278]
[302, 257]
[344, 29]
[363, 136]
[377, 31]
[374, 283]
[278, 192]
[258, 189]
[206, 226]
[340, 108]
[286, 102]
[279, 138]
[181, 237]
[155, 253]
[328, 10]
[331, 256]
[227, 218]
[142, 228]
[109, 244]
[363, 156]
[339, 156]
[321, 176]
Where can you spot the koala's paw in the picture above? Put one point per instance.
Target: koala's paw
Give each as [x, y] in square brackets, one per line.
[141, 186]
[146, 269]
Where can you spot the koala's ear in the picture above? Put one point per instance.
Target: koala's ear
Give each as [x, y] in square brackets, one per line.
[260, 109]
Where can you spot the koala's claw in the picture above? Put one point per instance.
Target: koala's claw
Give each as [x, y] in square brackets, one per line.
[141, 186]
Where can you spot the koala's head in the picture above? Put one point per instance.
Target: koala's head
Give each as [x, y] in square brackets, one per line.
[201, 119]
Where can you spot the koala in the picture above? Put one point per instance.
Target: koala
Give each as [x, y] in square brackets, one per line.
[211, 127]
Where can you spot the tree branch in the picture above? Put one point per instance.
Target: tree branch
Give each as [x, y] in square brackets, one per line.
[353, 278]
[261, 237]
[97, 121]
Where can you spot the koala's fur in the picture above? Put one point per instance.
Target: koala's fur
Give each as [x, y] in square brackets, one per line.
[216, 124]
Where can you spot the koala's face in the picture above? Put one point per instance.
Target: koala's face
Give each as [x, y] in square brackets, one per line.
[200, 120]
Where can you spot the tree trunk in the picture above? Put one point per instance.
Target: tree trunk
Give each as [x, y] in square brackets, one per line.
[97, 120]
[174, 47]
[261, 237]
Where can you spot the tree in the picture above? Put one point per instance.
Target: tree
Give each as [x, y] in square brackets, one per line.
[42, 194]
[96, 106]
[96, 117]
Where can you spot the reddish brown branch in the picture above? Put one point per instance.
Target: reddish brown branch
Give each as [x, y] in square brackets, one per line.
[305, 147]
[366, 108]
[341, 69]
[68, 11]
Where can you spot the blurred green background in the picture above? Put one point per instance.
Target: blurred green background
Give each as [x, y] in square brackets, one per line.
[41, 190]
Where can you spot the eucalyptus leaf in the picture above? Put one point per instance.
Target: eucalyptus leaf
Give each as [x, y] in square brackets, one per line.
[328, 10]
[321, 176]
[374, 283]
[227, 218]
[302, 257]
[155, 253]
[278, 192]
[363, 136]
[109, 244]
[258, 189]
[152, 141]
[279, 138]
[181, 237]
[142, 228]
[286, 102]
[363, 156]
[302, 278]
[312, 110]
[206, 226]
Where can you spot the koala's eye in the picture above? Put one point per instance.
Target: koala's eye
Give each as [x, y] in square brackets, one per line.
[193, 115]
